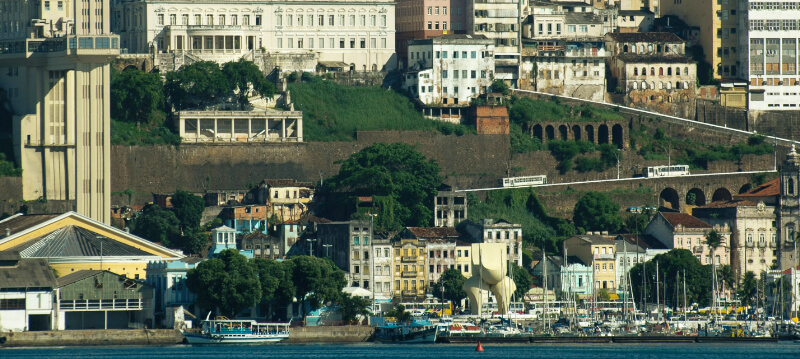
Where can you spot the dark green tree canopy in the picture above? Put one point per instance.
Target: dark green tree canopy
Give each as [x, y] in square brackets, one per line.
[317, 280]
[748, 289]
[352, 307]
[453, 282]
[198, 83]
[713, 239]
[276, 280]
[135, 95]
[245, 77]
[523, 281]
[596, 212]
[670, 264]
[188, 209]
[158, 225]
[228, 283]
[396, 170]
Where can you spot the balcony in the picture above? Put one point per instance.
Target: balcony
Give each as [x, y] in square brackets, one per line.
[697, 249]
[104, 304]
[409, 259]
[410, 293]
[409, 274]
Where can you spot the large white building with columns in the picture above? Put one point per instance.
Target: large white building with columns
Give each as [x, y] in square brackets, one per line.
[357, 33]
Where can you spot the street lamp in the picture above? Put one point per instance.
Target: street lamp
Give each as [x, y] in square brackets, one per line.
[326, 248]
[311, 245]
[617, 153]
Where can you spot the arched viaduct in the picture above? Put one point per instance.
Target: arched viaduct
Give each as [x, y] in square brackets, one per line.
[672, 192]
[601, 132]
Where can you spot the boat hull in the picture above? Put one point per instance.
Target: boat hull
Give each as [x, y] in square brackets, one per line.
[207, 339]
[428, 336]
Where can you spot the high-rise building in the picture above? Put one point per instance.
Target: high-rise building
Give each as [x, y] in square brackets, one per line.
[54, 66]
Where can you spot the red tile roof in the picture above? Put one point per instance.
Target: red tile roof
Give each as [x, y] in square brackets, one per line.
[728, 204]
[684, 219]
[771, 188]
[433, 232]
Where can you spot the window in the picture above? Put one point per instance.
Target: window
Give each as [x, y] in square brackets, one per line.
[444, 74]
[430, 10]
[160, 19]
[46, 5]
[430, 25]
[279, 20]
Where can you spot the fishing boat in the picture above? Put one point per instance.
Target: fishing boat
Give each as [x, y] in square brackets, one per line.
[418, 331]
[221, 330]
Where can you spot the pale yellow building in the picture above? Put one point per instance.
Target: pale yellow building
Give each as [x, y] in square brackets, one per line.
[597, 252]
[72, 242]
[718, 21]
[409, 270]
[54, 61]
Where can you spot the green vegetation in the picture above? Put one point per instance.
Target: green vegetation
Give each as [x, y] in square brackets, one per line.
[228, 283]
[246, 79]
[523, 281]
[317, 280]
[400, 179]
[522, 206]
[670, 264]
[565, 152]
[136, 96]
[7, 168]
[694, 153]
[595, 211]
[500, 86]
[334, 112]
[353, 307]
[178, 227]
[453, 282]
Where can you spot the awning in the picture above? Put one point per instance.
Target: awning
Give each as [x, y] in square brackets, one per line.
[613, 296]
[357, 292]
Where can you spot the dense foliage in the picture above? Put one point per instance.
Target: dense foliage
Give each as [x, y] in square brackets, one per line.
[246, 79]
[317, 280]
[397, 171]
[523, 281]
[670, 264]
[136, 96]
[595, 211]
[196, 84]
[7, 167]
[277, 288]
[178, 227]
[228, 283]
[353, 308]
[453, 283]
[334, 112]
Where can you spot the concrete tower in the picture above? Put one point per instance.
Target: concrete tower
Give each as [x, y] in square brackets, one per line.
[55, 66]
[789, 210]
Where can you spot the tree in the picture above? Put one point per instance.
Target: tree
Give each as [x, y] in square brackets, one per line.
[352, 307]
[200, 83]
[400, 314]
[317, 280]
[635, 223]
[748, 288]
[453, 282]
[396, 170]
[500, 86]
[228, 283]
[596, 212]
[276, 282]
[188, 208]
[523, 281]
[135, 95]
[193, 241]
[670, 264]
[725, 274]
[245, 77]
[603, 295]
[713, 240]
[157, 225]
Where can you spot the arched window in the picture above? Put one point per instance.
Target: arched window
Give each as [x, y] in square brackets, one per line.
[644, 85]
[677, 84]
[678, 71]
[635, 72]
[685, 85]
[686, 71]
[660, 85]
[658, 48]
[669, 71]
[669, 86]
[650, 48]
[660, 71]
[666, 48]
[634, 85]
[652, 71]
[644, 71]
[790, 186]
[641, 48]
[625, 48]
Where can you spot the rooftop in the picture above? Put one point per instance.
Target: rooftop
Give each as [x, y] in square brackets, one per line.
[654, 59]
[433, 232]
[595, 239]
[285, 183]
[28, 272]
[74, 241]
[76, 276]
[643, 241]
[729, 204]
[644, 36]
[19, 222]
[769, 189]
[674, 219]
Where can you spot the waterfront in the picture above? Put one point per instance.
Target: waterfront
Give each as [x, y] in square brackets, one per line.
[387, 351]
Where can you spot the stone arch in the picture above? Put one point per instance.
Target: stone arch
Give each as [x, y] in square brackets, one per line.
[625, 48]
[589, 133]
[721, 194]
[669, 198]
[538, 132]
[602, 134]
[745, 187]
[699, 197]
[576, 132]
[550, 132]
[563, 132]
[616, 135]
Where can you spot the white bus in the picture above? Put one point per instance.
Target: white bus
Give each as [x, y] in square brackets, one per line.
[524, 181]
[666, 171]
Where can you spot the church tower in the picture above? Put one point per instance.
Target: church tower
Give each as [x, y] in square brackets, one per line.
[789, 211]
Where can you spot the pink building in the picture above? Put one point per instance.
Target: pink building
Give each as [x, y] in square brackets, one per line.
[680, 230]
[423, 19]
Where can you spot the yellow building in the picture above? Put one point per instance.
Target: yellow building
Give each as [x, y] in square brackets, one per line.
[463, 261]
[717, 20]
[598, 252]
[72, 242]
[409, 270]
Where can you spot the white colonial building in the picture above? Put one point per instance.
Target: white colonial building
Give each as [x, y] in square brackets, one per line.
[451, 69]
[768, 57]
[356, 35]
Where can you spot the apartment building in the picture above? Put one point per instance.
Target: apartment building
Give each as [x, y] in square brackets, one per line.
[718, 22]
[683, 231]
[449, 207]
[54, 68]
[499, 20]
[768, 54]
[382, 269]
[450, 70]
[357, 34]
[598, 253]
[410, 276]
[348, 244]
[563, 52]
[423, 19]
[495, 231]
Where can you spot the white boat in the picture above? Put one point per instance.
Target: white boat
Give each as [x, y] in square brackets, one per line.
[419, 331]
[222, 330]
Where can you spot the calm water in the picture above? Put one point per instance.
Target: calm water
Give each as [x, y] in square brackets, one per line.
[781, 350]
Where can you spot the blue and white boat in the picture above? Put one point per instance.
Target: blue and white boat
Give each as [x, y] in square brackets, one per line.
[222, 330]
[419, 331]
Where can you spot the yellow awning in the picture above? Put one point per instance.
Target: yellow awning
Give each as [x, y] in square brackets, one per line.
[613, 296]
